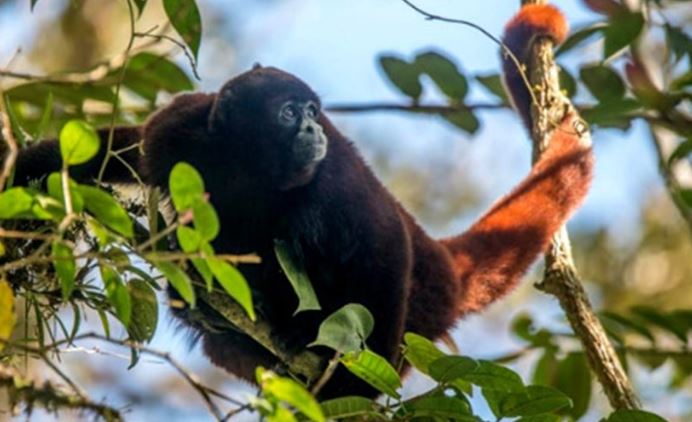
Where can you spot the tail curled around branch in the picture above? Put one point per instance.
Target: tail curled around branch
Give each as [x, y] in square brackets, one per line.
[492, 255]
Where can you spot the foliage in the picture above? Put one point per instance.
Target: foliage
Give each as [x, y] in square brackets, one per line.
[70, 249]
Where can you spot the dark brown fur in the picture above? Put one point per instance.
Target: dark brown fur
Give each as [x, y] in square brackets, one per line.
[358, 243]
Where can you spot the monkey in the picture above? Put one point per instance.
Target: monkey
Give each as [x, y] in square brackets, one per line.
[276, 168]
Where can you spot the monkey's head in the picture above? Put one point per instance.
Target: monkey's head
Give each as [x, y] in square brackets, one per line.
[272, 119]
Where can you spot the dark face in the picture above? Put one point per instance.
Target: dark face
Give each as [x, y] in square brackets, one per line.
[270, 121]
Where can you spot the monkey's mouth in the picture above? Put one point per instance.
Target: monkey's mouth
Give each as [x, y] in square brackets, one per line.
[310, 149]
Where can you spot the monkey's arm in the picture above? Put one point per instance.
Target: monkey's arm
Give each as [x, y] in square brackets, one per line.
[495, 252]
[42, 158]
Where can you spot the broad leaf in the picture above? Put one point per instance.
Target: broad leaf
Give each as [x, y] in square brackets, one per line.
[233, 283]
[421, 352]
[179, 280]
[145, 311]
[79, 142]
[106, 209]
[346, 329]
[440, 407]
[290, 392]
[403, 75]
[65, 267]
[117, 293]
[186, 186]
[493, 83]
[292, 265]
[634, 416]
[375, 370]
[347, 407]
[603, 82]
[536, 400]
[623, 29]
[15, 201]
[464, 120]
[185, 18]
[449, 368]
[491, 376]
[444, 73]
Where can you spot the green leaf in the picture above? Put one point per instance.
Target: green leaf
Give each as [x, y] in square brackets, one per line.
[536, 400]
[661, 320]
[375, 370]
[420, 352]
[205, 219]
[681, 151]
[346, 329]
[54, 185]
[290, 392]
[145, 311]
[190, 241]
[292, 266]
[186, 186]
[574, 379]
[603, 82]
[578, 36]
[449, 368]
[347, 407]
[46, 117]
[623, 29]
[106, 209]
[117, 294]
[233, 283]
[65, 267]
[567, 82]
[140, 6]
[446, 408]
[147, 74]
[491, 376]
[546, 368]
[493, 83]
[15, 201]
[680, 43]
[612, 114]
[634, 416]
[464, 120]
[178, 279]
[405, 76]
[186, 20]
[541, 418]
[79, 142]
[630, 324]
[444, 73]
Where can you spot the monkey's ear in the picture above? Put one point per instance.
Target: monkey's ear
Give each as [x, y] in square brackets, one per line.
[220, 109]
[256, 66]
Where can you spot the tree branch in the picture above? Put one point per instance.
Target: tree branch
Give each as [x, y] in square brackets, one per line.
[49, 396]
[561, 278]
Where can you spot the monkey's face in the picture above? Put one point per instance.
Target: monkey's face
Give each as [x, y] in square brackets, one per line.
[270, 121]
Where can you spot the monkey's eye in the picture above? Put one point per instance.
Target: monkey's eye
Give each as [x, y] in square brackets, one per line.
[288, 114]
[312, 111]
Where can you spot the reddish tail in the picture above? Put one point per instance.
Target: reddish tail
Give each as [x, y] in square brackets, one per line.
[497, 250]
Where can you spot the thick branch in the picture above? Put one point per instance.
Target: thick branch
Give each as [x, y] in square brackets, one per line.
[305, 363]
[561, 278]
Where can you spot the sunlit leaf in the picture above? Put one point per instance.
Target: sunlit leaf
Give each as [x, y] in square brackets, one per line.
[205, 219]
[190, 241]
[292, 266]
[65, 267]
[290, 392]
[185, 18]
[233, 283]
[375, 370]
[15, 201]
[346, 329]
[106, 209]
[403, 75]
[79, 142]
[54, 186]
[420, 352]
[7, 316]
[186, 186]
[179, 280]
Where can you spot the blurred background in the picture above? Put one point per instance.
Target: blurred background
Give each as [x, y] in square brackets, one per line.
[630, 244]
